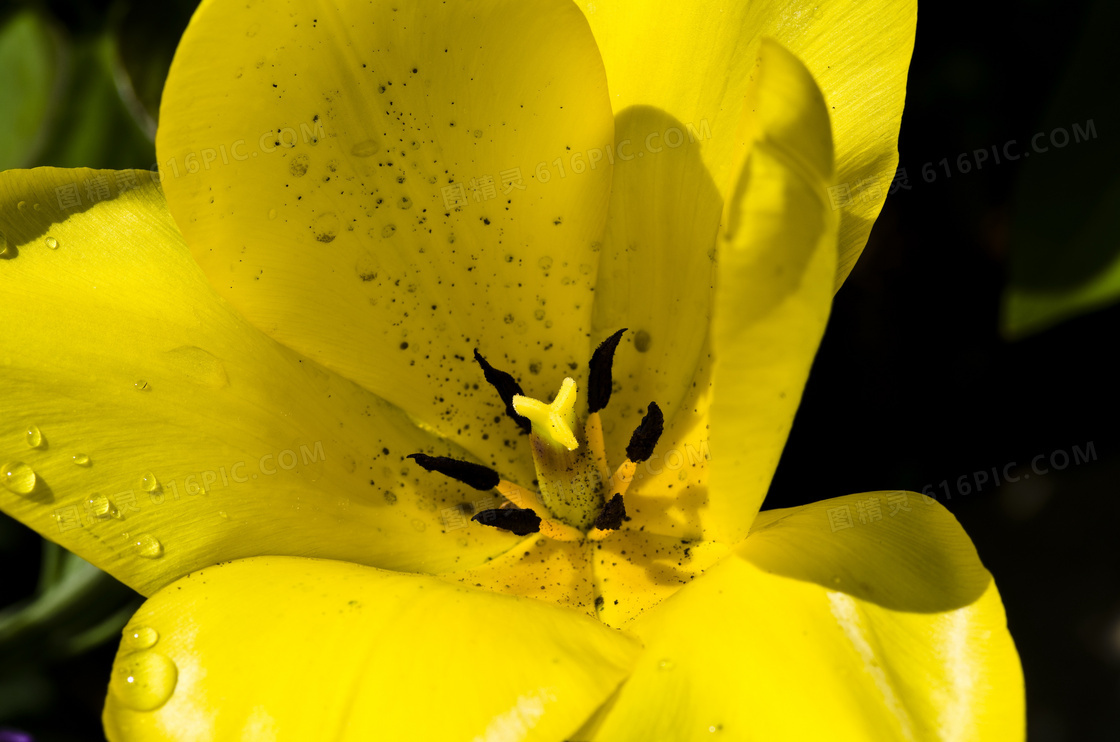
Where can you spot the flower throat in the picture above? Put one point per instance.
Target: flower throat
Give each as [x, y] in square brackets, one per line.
[579, 496]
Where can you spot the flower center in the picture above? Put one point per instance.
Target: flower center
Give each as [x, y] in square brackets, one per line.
[579, 497]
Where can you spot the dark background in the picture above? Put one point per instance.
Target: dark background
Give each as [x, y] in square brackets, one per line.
[916, 385]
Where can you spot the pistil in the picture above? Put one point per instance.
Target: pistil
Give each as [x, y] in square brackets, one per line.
[567, 472]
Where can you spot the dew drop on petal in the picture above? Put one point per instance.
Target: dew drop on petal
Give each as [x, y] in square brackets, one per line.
[21, 205]
[149, 482]
[80, 459]
[143, 681]
[326, 227]
[99, 505]
[666, 664]
[388, 231]
[3, 244]
[223, 515]
[34, 436]
[142, 386]
[641, 341]
[148, 546]
[272, 213]
[19, 478]
[52, 243]
[140, 637]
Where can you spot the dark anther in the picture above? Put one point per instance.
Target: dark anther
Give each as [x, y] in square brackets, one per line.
[599, 378]
[646, 435]
[612, 516]
[507, 387]
[476, 475]
[521, 521]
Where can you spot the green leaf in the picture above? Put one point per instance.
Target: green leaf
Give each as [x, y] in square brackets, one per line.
[146, 37]
[95, 127]
[29, 58]
[76, 606]
[1065, 258]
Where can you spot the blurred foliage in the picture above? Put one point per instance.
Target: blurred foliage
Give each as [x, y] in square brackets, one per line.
[1065, 257]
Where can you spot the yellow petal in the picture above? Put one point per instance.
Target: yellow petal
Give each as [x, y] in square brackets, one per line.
[314, 158]
[656, 268]
[636, 570]
[557, 572]
[286, 648]
[775, 254]
[777, 259]
[167, 432]
[693, 61]
[887, 629]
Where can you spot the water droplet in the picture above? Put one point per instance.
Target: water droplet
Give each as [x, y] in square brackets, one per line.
[666, 664]
[478, 133]
[414, 144]
[148, 546]
[298, 166]
[223, 515]
[418, 524]
[149, 482]
[368, 148]
[21, 205]
[272, 213]
[143, 681]
[325, 227]
[142, 386]
[52, 243]
[3, 244]
[19, 478]
[545, 263]
[405, 202]
[34, 436]
[81, 459]
[388, 230]
[140, 637]
[38, 207]
[367, 266]
[100, 505]
[641, 341]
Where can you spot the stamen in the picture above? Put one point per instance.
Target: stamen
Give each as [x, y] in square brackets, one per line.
[593, 432]
[612, 516]
[520, 521]
[474, 475]
[519, 497]
[507, 388]
[642, 443]
[599, 373]
[646, 435]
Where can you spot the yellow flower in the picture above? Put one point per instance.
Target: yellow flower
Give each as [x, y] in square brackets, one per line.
[204, 391]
